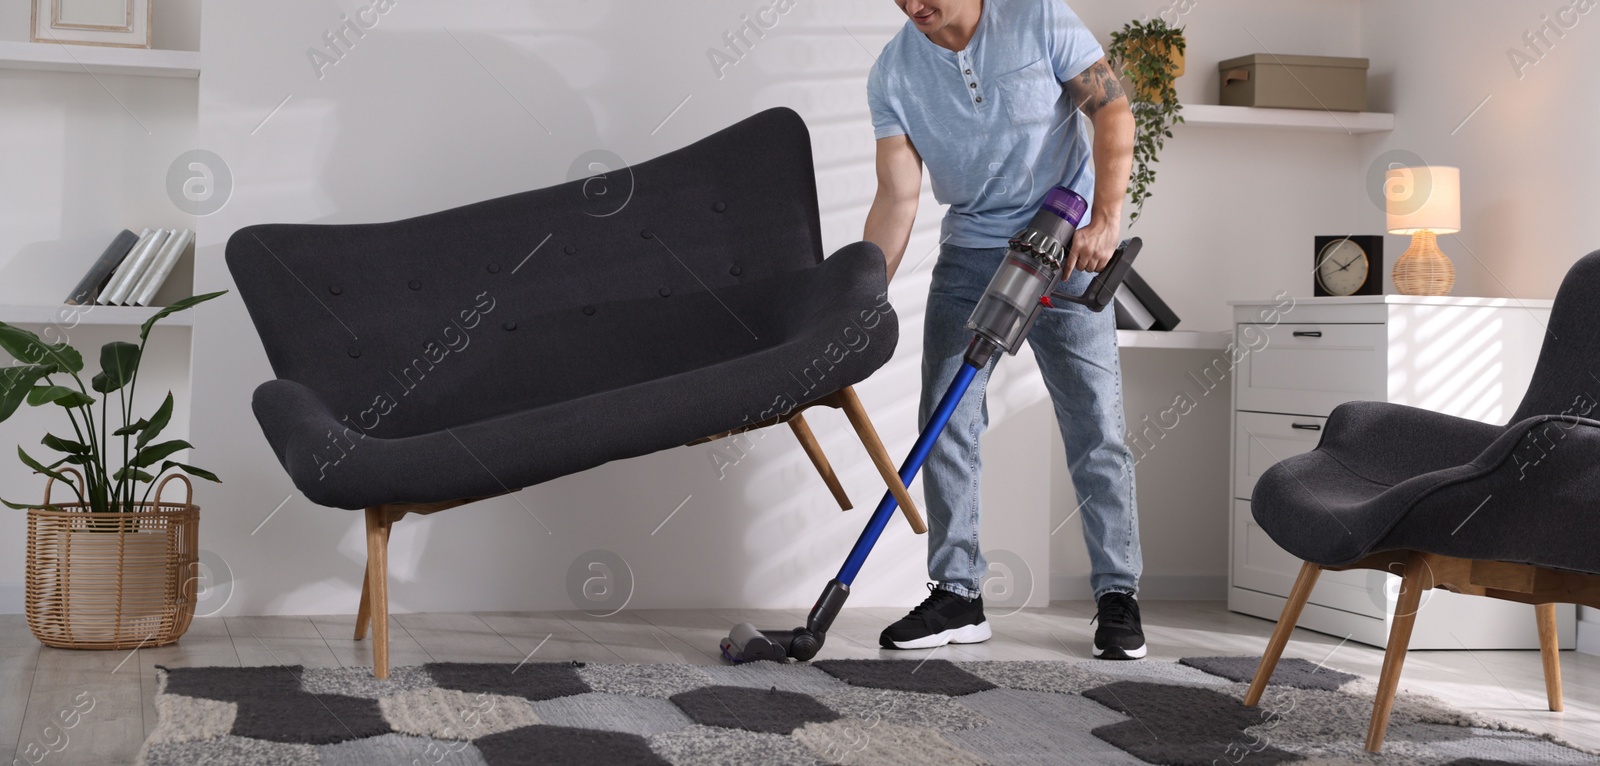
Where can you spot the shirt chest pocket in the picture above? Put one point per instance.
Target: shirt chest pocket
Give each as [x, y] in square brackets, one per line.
[1029, 93]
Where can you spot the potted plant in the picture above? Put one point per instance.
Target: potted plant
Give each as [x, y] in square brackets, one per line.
[1151, 55]
[110, 570]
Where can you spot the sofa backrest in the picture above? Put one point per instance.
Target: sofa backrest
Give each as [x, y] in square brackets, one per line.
[413, 325]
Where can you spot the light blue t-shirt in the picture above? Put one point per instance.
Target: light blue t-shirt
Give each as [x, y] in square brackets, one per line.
[993, 124]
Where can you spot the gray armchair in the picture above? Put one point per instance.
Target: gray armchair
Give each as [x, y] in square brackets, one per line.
[426, 363]
[1506, 512]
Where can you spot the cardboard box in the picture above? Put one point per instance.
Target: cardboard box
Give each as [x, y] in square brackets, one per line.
[1295, 82]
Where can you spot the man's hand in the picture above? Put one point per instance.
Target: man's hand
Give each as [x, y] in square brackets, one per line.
[1093, 246]
[1100, 96]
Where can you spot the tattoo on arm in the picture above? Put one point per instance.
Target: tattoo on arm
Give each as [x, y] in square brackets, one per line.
[1095, 88]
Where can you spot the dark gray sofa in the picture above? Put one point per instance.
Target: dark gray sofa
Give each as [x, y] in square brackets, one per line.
[424, 363]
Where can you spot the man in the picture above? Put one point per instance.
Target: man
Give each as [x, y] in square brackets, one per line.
[994, 96]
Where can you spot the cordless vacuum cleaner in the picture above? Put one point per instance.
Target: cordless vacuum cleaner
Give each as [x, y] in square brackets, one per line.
[1025, 283]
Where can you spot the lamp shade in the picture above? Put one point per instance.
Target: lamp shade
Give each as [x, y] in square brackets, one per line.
[1423, 199]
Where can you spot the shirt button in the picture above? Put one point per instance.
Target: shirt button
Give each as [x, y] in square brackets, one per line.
[972, 85]
[979, 99]
[969, 71]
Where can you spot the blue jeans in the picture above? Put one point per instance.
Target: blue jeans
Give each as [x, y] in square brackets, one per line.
[1077, 353]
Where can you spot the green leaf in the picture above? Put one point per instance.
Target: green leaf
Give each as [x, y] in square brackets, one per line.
[191, 470]
[66, 397]
[149, 455]
[15, 384]
[144, 331]
[28, 461]
[19, 506]
[131, 428]
[27, 347]
[134, 472]
[119, 360]
[158, 421]
[64, 445]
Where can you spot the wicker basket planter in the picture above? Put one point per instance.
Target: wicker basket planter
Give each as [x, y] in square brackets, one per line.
[112, 580]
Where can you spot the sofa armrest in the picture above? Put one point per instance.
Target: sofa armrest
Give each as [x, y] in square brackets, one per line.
[298, 425]
[1390, 443]
[853, 272]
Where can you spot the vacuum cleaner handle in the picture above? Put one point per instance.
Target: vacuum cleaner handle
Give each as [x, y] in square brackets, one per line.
[1103, 289]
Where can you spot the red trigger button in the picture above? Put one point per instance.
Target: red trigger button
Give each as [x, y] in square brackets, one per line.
[1045, 299]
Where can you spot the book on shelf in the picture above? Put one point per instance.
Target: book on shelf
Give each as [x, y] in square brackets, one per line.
[1139, 308]
[98, 274]
[132, 268]
[156, 273]
[123, 279]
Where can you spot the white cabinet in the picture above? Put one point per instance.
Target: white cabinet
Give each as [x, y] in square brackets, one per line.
[1297, 359]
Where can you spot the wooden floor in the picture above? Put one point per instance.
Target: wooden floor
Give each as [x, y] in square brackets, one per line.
[39, 685]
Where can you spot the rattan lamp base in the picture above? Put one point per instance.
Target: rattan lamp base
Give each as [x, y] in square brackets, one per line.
[1424, 269]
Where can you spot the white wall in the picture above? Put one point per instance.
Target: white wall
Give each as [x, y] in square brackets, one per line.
[1528, 157]
[441, 105]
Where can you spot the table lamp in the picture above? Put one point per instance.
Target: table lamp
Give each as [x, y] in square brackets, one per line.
[1424, 202]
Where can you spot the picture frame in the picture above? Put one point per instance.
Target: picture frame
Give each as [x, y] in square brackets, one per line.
[112, 23]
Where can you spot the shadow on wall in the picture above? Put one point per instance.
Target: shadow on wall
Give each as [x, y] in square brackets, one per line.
[739, 522]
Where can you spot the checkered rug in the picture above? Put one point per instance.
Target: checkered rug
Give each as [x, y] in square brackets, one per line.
[928, 713]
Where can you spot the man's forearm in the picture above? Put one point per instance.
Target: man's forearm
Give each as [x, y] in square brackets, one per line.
[1113, 160]
[889, 227]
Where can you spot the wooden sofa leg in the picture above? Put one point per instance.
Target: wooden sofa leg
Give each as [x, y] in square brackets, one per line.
[1394, 655]
[1550, 652]
[364, 611]
[880, 456]
[1303, 584]
[808, 441]
[378, 523]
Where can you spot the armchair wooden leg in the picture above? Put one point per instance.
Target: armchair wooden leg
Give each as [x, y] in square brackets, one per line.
[1549, 651]
[1394, 655]
[364, 611]
[808, 441]
[1303, 584]
[378, 523]
[880, 456]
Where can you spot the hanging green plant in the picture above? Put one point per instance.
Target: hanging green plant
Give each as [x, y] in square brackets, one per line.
[1150, 54]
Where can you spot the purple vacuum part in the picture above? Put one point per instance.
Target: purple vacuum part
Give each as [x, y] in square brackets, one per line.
[1065, 203]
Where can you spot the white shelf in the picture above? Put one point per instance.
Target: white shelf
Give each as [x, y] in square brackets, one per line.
[73, 316]
[58, 57]
[1408, 300]
[1287, 119]
[1190, 339]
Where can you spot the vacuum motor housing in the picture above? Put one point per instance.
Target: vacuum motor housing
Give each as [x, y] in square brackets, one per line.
[1031, 269]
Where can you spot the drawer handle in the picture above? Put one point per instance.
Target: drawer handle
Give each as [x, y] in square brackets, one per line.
[1307, 333]
[1306, 426]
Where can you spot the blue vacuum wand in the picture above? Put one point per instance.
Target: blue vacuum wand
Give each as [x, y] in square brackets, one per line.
[1026, 282]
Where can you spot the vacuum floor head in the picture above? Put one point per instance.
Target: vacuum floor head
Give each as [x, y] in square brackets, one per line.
[747, 643]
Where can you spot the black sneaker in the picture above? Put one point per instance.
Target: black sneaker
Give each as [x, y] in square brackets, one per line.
[1120, 635]
[945, 617]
